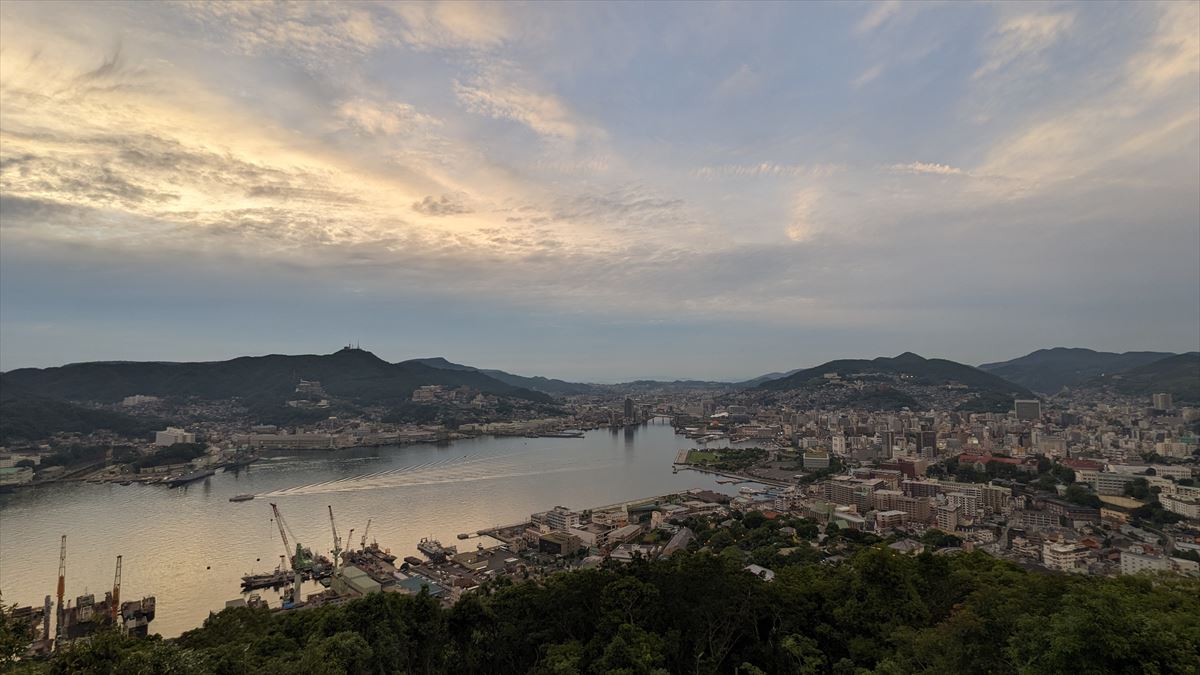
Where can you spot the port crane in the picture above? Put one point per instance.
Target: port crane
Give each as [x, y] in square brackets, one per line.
[367, 529]
[337, 541]
[287, 548]
[350, 541]
[115, 609]
[62, 585]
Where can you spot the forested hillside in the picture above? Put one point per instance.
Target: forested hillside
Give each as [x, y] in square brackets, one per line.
[879, 612]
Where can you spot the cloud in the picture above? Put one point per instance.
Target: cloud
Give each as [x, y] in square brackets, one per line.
[867, 76]
[382, 118]
[881, 13]
[928, 168]
[447, 205]
[740, 82]
[496, 94]
[1020, 40]
[1174, 52]
[312, 32]
[454, 24]
[767, 169]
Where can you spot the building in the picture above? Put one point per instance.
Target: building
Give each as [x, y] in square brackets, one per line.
[351, 580]
[816, 459]
[1136, 563]
[15, 475]
[630, 412]
[290, 441]
[1034, 520]
[173, 435]
[967, 503]
[921, 488]
[947, 517]
[996, 498]
[1028, 409]
[427, 393]
[888, 519]
[1103, 482]
[561, 519]
[559, 543]
[852, 491]
[1188, 507]
[917, 508]
[138, 399]
[1064, 557]
[1162, 402]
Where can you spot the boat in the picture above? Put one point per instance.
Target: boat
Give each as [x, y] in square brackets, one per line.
[274, 579]
[190, 477]
[464, 535]
[126, 482]
[434, 550]
[241, 498]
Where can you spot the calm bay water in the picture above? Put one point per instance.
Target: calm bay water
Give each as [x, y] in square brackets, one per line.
[190, 546]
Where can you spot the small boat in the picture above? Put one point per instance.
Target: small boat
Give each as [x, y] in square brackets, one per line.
[126, 482]
[241, 498]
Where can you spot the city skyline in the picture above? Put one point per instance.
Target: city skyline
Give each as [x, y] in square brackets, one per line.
[596, 193]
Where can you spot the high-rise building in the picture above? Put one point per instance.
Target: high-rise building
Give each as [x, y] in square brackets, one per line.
[1028, 409]
[629, 411]
[1163, 402]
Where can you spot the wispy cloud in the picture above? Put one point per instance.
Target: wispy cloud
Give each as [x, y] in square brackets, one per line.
[1020, 40]
[867, 76]
[766, 169]
[928, 168]
[503, 92]
[881, 13]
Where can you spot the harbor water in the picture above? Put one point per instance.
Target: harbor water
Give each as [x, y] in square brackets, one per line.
[190, 546]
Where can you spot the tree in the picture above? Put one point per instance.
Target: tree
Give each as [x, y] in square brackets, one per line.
[15, 636]
[1078, 494]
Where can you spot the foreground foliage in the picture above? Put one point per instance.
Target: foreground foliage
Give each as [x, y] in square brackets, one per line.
[699, 613]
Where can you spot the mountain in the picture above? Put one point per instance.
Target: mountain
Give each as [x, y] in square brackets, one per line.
[921, 370]
[1178, 375]
[543, 384]
[31, 419]
[351, 374]
[1049, 370]
[755, 381]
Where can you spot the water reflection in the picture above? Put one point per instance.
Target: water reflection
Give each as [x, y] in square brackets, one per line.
[190, 546]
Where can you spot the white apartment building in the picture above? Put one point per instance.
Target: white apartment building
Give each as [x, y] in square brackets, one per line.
[173, 435]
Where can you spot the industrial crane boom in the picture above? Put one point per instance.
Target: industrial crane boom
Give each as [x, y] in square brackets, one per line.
[62, 583]
[116, 593]
[287, 546]
[337, 541]
[363, 543]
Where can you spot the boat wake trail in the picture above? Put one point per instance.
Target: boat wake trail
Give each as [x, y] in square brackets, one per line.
[443, 472]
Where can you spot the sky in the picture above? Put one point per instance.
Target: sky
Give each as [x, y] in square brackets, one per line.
[598, 191]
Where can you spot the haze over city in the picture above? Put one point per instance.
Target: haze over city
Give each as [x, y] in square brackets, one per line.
[597, 191]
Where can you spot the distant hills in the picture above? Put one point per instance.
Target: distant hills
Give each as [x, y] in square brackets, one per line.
[921, 370]
[1178, 375]
[352, 374]
[543, 384]
[30, 419]
[1049, 370]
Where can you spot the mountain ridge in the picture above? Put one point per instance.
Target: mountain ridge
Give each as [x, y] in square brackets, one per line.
[349, 373]
[1049, 370]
